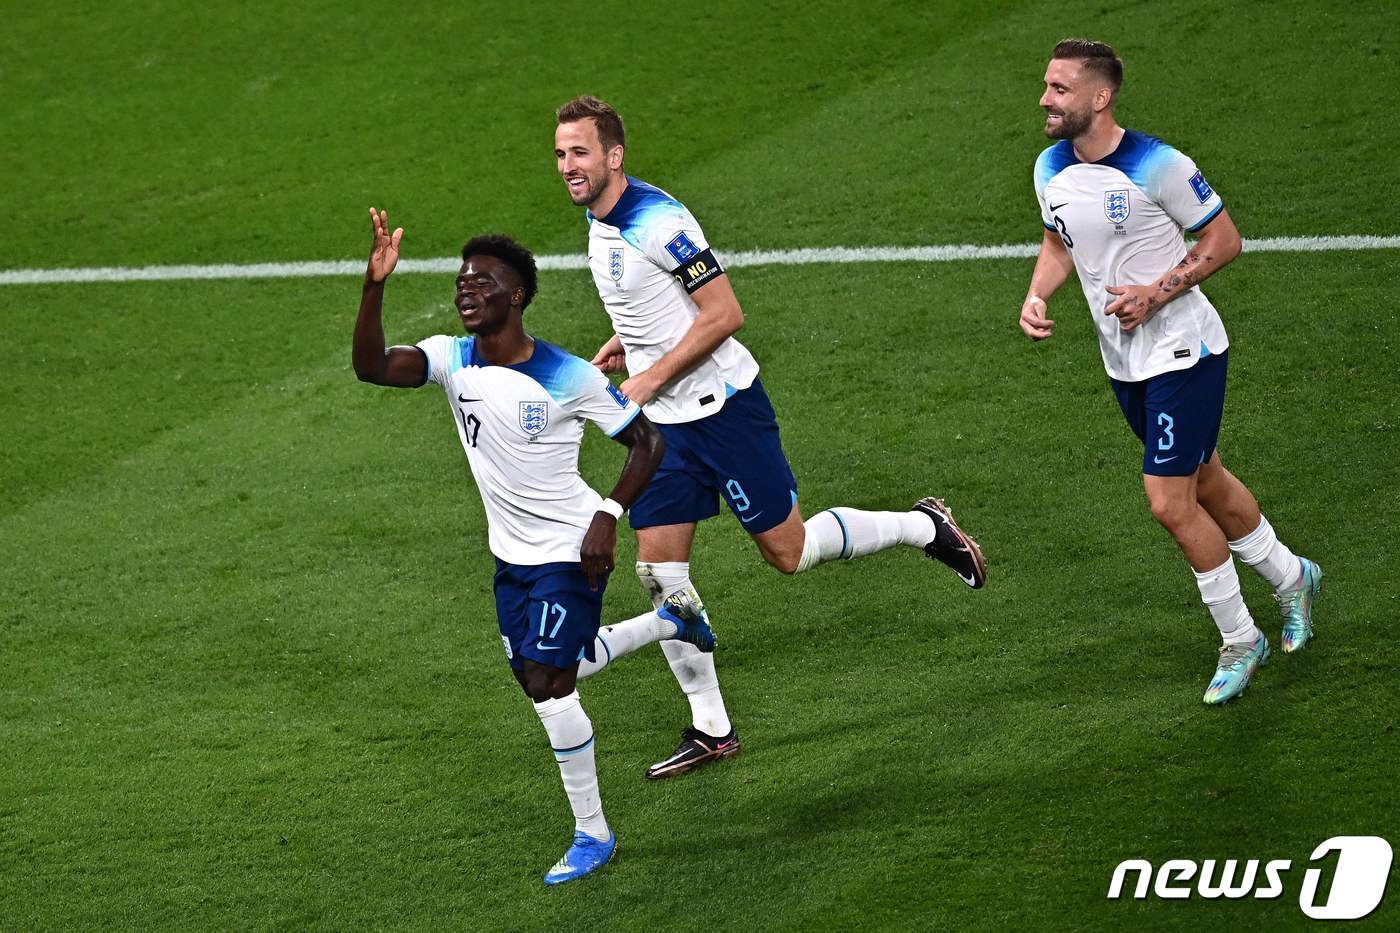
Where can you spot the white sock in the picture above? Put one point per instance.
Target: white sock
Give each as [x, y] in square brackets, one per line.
[1220, 591]
[1262, 550]
[694, 669]
[614, 641]
[571, 737]
[850, 533]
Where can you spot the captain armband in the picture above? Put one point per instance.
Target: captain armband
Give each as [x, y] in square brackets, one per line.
[697, 270]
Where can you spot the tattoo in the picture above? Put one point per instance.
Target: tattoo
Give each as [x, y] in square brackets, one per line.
[1190, 276]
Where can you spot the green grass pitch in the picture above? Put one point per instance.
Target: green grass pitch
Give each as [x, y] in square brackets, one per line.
[251, 673]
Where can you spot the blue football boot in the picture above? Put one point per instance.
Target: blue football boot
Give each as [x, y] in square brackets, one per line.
[585, 856]
[1236, 666]
[1296, 608]
[684, 610]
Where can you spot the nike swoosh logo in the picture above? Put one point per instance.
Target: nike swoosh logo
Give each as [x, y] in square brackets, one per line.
[970, 579]
[463, 398]
[543, 647]
[750, 518]
[1056, 207]
[1164, 459]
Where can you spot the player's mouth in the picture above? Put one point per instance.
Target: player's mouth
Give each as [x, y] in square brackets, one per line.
[577, 183]
[1052, 116]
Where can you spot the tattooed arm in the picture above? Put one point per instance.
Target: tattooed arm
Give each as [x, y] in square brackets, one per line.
[1218, 246]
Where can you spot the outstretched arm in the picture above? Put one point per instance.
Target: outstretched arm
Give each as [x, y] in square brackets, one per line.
[645, 448]
[1217, 248]
[404, 367]
[719, 319]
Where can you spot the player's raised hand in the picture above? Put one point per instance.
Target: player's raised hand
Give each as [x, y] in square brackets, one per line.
[384, 255]
[1034, 323]
[1133, 304]
[611, 358]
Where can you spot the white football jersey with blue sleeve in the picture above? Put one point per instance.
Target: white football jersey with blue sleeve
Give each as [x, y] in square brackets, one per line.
[521, 427]
[1122, 219]
[647, 256]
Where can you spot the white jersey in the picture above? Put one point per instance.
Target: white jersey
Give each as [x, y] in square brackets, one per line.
[647, 255]
[1122, 219]
[521, 426]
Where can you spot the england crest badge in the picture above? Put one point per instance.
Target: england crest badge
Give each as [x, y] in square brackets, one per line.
[1116, 205]
[534, 417]
[615, 264]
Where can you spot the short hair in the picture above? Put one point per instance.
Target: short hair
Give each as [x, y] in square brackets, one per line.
[512, 254]
[1097, 57]
[606, 119]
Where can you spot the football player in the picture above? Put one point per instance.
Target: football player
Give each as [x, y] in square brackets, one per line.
[1115, 204]
[674, 316]
[519, 405]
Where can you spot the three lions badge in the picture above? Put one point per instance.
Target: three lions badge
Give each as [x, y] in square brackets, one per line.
[534, 417]
[1116, 205]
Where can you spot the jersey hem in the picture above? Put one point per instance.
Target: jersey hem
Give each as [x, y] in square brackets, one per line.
[1172, 366]
[659, 419]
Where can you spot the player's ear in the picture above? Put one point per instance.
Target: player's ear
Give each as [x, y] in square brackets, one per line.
[615, 158]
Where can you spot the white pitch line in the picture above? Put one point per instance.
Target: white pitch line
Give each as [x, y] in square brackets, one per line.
[776, 257]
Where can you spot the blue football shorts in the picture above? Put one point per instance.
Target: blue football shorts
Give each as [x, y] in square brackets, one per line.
[547, 613]
[735, 453]
[1176, 415]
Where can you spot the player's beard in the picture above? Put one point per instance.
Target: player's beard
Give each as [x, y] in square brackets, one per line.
[1073, 123]
[593, 190]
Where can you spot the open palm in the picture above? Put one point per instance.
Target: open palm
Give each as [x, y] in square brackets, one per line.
[384, 255]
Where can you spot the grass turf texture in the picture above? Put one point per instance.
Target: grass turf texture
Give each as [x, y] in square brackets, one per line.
[253, 675]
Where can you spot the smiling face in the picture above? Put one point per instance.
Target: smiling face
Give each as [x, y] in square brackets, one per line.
[1073, 95]
[487, 292]
[583, 164]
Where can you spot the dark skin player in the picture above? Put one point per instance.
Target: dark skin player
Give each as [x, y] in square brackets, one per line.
[489, 300]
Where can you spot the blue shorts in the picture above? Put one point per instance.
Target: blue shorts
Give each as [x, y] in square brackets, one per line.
[737, 452]
[1176, 415]
[547, 613]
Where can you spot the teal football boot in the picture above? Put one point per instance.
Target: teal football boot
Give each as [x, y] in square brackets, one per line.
[1296, 608]
[585, 856]
[1236, 666]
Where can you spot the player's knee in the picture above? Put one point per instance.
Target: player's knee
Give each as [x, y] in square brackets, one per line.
[539, 686]
[782, 561]
[1168, 511]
